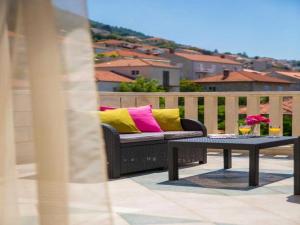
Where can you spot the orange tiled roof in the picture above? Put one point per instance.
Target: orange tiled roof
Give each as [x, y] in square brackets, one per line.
[128, 53]
[133, 63]
[206, 58]
[255, 71]
[111, 42]
[110, 76]
[188, 51]
[148, 47]
[292, 74]
[241, 76]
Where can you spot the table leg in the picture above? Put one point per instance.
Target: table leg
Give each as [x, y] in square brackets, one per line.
[297, 167]
[227, 158]
[253, 167]
[173, 163]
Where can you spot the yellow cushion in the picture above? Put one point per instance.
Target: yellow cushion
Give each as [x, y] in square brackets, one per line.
[120, 119]
[168, 119]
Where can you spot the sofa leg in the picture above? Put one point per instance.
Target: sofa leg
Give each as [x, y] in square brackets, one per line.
[113, 173]
[204, 157]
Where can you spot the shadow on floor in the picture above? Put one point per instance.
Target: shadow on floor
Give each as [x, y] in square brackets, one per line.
[294, 199]
[226, 179]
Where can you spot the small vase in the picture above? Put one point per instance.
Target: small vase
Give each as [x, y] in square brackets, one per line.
[255, 130]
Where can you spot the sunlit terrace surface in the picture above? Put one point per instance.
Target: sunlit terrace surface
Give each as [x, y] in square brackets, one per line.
[205, 194]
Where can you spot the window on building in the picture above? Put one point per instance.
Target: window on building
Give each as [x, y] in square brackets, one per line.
[200, 75]
[279, 88]
[135, 72]
[267, 88]
[166, 79]
[212, 88]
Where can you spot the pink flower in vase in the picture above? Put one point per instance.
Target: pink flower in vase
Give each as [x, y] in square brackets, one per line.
[252, 120]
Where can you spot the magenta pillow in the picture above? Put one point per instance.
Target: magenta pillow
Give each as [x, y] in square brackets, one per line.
[143, 119]
[104, 108]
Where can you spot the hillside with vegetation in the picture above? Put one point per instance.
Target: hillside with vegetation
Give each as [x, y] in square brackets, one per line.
[101, 31]
[115, 31]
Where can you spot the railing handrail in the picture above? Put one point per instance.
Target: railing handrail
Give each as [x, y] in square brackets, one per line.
[199, 94]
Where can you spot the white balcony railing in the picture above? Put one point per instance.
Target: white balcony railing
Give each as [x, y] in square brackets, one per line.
[23, 121]
[124, 99]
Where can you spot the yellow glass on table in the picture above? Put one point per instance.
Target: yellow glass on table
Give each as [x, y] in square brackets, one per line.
[274, 131]
[245, 130]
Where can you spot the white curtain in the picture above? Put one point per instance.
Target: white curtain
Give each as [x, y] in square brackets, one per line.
[52, 158]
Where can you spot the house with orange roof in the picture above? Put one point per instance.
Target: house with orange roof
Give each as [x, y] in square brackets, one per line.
[149, 49]
[291, 76]
[262, 64]
[110, 81]
[243, 81]
[195, 66]
[188, 51]
[125, 53]
[116, 43]
[166, 74]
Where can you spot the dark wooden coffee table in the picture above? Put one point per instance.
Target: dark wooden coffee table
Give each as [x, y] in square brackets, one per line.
[253, 145]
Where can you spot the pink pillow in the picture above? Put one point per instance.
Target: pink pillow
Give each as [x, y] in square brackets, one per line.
[143, 119]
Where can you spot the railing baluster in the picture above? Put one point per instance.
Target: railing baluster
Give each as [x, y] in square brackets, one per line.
[114, 101]
[253, 103]
[296, 115]
[211, 113]
[171, 102]
[148, 100]
[231, 114]
[128, 101]
[191, 108]
[276, 111]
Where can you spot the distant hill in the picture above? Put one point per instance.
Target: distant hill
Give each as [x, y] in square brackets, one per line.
[103, 31]
[118, 31]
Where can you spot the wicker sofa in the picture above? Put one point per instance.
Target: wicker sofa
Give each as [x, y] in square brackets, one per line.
[129, 153]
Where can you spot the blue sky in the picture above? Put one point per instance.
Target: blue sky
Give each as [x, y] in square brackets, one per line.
[258, 27]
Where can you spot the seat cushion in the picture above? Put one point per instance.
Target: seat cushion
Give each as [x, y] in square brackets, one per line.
[170, 135]
[132, 138]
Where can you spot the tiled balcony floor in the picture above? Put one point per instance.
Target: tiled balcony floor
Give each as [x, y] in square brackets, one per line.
[205, 194]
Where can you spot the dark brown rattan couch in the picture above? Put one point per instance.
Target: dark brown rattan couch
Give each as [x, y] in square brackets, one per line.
[129, 153]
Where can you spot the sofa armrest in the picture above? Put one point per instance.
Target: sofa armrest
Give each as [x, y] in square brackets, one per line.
[193, 125]
[113, 152]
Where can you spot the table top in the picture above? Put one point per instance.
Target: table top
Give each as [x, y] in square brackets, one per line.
[236, 143]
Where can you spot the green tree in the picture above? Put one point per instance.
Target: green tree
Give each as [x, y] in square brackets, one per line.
[99, 56]
[141, 84]
[243, 54]
[189, 86]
